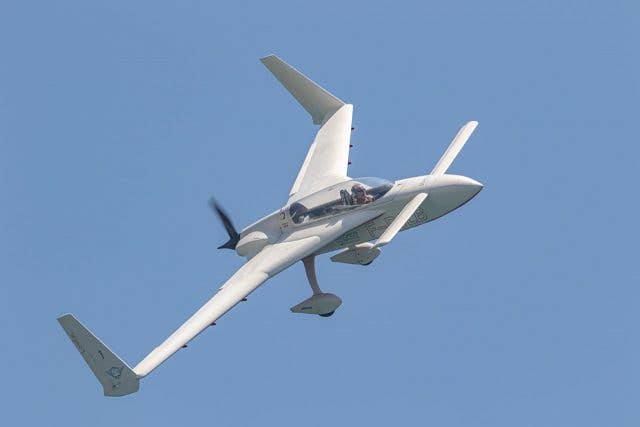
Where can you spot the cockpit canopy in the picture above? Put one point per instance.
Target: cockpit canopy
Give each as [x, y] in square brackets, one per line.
[338, 198]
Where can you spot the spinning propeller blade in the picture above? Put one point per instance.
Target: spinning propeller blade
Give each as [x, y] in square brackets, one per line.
[228, 225]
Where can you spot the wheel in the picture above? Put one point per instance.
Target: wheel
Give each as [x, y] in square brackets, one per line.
[327, 314]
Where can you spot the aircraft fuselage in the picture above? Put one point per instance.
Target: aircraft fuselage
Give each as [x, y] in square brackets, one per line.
[446, 193]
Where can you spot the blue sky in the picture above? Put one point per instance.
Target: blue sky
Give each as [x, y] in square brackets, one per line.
[118, 120]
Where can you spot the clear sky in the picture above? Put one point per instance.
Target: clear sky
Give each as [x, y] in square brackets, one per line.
[119, 119]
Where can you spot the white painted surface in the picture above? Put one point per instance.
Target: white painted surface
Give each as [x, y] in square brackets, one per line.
[316, 100]
[454, 148]
[400, 220]
[328, 157]
[363, 254]
[251, 244]
[272, 245]
[269, 262]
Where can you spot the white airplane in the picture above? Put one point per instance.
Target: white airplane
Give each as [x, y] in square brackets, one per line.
[326, 211]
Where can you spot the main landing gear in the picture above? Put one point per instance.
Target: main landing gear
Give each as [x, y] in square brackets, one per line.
[320, 303]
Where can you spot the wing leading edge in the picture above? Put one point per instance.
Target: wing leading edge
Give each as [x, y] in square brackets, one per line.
[269, 262]
[266, 264]
[118, 379]
[328, 157]
[316, 100]
[325, 164]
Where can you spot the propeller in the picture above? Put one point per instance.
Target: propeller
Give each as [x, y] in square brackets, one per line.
[234, 237]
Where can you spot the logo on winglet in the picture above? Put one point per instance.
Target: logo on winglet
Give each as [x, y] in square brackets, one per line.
[115, 372]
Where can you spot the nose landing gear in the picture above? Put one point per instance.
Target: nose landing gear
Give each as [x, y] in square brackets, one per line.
[320, 303]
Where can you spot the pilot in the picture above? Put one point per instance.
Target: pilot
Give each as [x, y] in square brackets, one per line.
[360, 195]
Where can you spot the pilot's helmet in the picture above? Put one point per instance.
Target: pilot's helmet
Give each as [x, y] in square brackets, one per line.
[358, 188]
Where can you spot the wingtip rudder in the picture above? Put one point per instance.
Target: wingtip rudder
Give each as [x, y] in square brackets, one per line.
[115, 375]
[64, 320]
[123, 389]
[64, 317]
[269, 56]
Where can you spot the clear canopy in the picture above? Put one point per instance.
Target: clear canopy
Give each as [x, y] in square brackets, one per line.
[338, 198]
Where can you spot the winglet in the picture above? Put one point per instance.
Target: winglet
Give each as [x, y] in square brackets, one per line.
[317, 101]
[116, 376]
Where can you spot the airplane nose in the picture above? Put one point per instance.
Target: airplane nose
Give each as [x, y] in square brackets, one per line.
[457, 190]
[475, 185]
[467, 184]
[449, 192]
[469, 189]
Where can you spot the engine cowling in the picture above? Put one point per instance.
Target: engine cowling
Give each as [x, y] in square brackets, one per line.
[252, 243]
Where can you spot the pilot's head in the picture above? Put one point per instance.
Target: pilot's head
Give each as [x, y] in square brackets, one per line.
[359, 192]
[358, 189]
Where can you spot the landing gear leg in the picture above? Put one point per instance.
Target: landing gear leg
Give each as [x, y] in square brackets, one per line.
[320, 303]
[310, 268]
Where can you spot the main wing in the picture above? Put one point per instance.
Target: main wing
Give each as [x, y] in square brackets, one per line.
[118, 379]
[267, 263]
[328, 157]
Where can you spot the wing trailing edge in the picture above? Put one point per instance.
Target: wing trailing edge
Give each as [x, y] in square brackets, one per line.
[118, 379]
